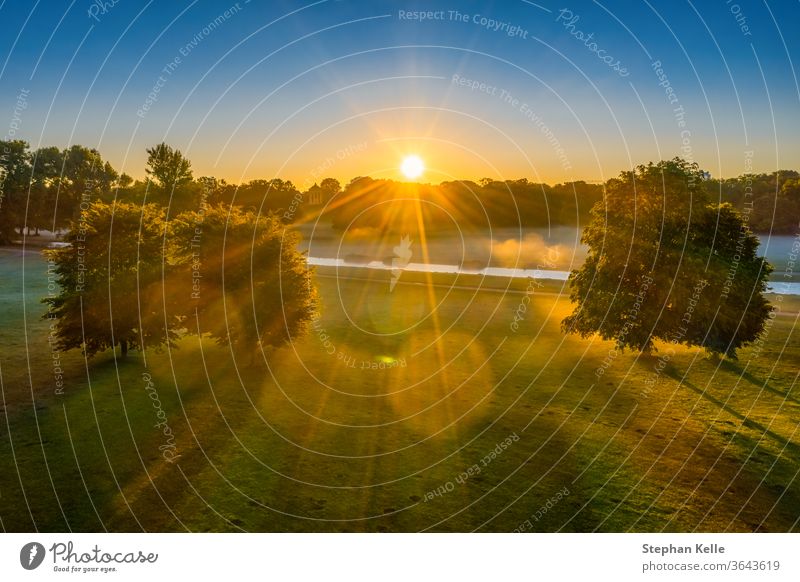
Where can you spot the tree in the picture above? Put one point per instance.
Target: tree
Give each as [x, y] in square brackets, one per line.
[665, 263]
[84, 178]
[45, 174]
[124, 181]
[241, 278]
[110, 278]
[15, 177]
[171, 172]
[331, 187]
[771, 200]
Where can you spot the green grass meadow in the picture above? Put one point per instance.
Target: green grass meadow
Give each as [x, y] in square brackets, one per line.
[394, 395]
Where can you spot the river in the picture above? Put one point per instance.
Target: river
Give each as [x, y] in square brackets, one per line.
[538, 253]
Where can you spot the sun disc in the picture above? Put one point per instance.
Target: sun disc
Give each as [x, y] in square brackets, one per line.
[412, 167]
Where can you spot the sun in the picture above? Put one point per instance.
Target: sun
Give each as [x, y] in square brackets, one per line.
[412, 167]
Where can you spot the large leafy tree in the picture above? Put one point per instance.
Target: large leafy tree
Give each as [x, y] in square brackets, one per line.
[241, 278]
[665, 263]
[110, 278]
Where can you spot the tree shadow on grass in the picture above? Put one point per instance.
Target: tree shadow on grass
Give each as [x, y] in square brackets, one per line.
[735, 368]
[760, 491]
[748, 422]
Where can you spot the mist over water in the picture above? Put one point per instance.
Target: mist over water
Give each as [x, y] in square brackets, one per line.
[508, 248]
[506, 252]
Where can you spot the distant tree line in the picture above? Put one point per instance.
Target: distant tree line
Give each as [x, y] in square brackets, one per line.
[772, 201]
[366, 202]
[44, 189]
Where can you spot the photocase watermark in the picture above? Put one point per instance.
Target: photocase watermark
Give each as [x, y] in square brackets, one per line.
[172, 66]
[318, 172]
[100, 8]
[678, 112]
[322, 334]
[744, 232]
[791, 261]
[527, 525]
[382, 364]
[491, 24]
[294, 204]
[402, 256]
[194, 243]
[82, 231]
[16, 117]
[206, 31]
[665, 357]
[568, 19]
[68, 559]
[792, 256]
[533, 283]
[524, 109]
[631, 319]
[13, 126]
[52, 340]
[474, 470]
[329, 162]
[522, 308]
[169, 448]
[31, 555]
[741, 19]
[760, 342]
[348, 360]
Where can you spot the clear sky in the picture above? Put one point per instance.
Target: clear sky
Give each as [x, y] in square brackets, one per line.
[504, 89]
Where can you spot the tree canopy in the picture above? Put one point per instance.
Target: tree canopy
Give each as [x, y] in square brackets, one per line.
[110, 275]
[668, 263]
[168, 167]
[241, 277]
[44, 189]
[129, 278]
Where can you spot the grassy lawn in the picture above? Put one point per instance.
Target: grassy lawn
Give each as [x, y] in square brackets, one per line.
[353, 426]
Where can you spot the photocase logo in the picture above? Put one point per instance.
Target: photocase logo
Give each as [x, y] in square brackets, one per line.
[402, 255]
[31, 555]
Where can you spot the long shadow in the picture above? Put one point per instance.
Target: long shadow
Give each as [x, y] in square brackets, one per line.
[735, 368]
[749, 423]
[39, 451]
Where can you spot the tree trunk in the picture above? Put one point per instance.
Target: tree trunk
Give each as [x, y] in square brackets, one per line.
[123, 344]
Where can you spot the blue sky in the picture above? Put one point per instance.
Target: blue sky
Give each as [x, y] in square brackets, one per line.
[292, 89]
